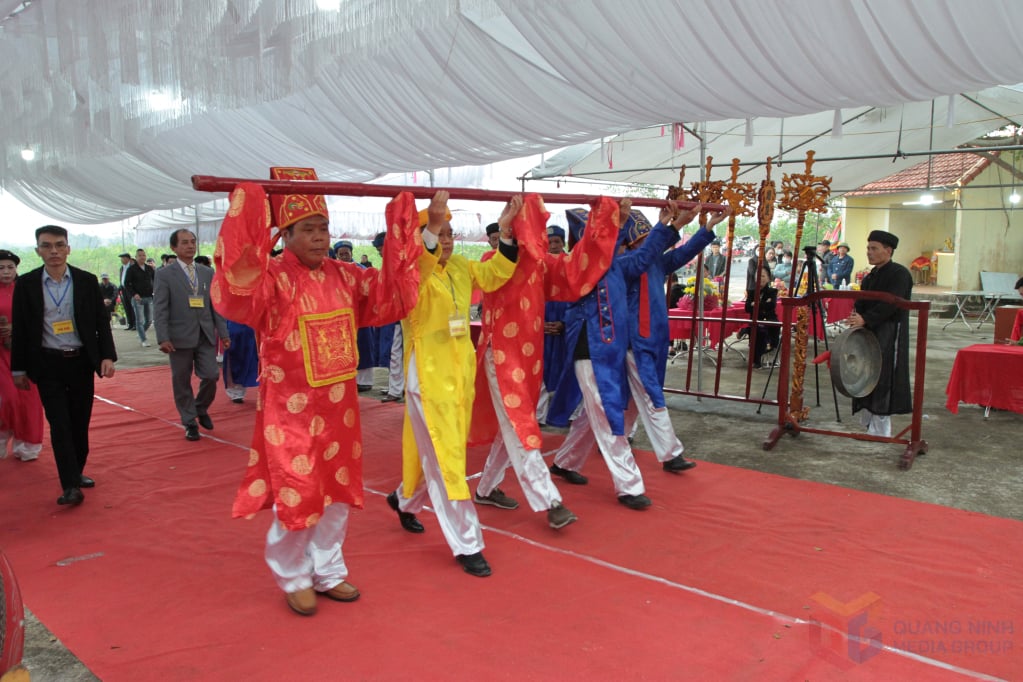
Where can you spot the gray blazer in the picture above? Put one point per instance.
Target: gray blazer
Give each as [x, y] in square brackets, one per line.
[174, 319]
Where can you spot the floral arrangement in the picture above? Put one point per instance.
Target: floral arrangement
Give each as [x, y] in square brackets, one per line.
[709, 287]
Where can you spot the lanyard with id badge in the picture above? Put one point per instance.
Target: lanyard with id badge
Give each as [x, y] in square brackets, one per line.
[65, 325]
[456, 323]
[195, 300]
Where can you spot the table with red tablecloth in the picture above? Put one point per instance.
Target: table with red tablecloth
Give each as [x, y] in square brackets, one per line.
[839, 309]
[680, 323]
[987, 374]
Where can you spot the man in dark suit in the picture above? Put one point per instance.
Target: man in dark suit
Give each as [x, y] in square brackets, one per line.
[129, 309]
[138, 282]
[186, 329]
[61, 335]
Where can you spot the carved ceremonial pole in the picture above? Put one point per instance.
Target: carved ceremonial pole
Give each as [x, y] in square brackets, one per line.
[209, 183]
[739, 196]
[765, 215]
[708, 193]
[802, 193]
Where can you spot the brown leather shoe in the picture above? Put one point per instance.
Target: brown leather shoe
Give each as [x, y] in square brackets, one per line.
[343, 591]
[302, 602]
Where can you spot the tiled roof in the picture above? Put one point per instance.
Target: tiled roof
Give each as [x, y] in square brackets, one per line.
[946, 170]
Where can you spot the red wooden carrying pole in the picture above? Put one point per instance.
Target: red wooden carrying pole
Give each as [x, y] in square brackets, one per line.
[210, 183]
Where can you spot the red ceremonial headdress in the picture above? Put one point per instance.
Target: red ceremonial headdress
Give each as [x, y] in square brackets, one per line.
[288, 209]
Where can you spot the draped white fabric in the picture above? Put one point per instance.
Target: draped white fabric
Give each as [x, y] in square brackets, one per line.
[649, 155]
[123, 100]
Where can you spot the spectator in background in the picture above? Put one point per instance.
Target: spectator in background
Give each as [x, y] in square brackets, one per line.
[824, 255]
[21, 412]
[241, 361]
[343, 251]
[715, 262]
[389, 340]
[365, 262]
[840, 268]
[493, 238]
[767, 336]
[783, 270]
[203, 260]
[139, 283]
[366, 337]
[109, 292]
[126, 302]
[553, 330]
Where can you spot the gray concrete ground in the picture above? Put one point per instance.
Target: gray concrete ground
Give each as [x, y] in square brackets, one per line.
[972, 463]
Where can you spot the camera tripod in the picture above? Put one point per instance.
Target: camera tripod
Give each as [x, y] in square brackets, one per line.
[808, 268]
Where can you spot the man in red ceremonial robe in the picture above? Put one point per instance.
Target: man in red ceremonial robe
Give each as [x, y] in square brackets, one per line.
[510, 353]
[306, 455]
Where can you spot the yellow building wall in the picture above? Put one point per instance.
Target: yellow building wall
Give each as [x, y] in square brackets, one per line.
[987, 234]
[992, 239]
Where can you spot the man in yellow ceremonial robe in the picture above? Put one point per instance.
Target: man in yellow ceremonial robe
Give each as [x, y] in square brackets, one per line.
[306, 455]
[440, 370]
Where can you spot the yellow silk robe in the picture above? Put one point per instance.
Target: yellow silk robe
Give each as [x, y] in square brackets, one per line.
[446, 364]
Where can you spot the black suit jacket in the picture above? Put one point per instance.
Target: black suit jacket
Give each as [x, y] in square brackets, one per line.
[139, 280]
[92, 322]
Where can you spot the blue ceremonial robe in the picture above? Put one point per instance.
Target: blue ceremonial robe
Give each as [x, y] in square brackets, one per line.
[650, 343]
[604, 314]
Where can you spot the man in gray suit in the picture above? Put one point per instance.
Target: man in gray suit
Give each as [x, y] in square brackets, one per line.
[187, 329]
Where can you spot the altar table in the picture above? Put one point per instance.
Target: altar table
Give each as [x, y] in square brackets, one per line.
[987, 374]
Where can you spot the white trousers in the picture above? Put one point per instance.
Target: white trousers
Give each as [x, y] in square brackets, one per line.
[364, 377]
[543, 404]
[656, 421]
[532, 472]
[457, 518]
[396, 369]
[235, 392]
[876, 424]
[23, 450]
[311, 557]
[591, 427]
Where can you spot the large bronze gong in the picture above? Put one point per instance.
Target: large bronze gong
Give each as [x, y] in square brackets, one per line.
[855, 362]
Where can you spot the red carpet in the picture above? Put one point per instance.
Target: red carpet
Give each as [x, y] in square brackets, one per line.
[151, 579]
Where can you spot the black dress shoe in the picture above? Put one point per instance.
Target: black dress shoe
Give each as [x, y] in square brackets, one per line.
[206, 422]
[408, 521]
[677, 464]
[573, 477]
[364, 387]
[391, 399]
[635, 501]
[238, 401]
[474, 564]
[86, 482]
[72, 496]
[192, 431]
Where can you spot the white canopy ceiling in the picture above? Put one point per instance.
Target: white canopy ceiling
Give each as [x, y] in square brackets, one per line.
[649, 155]
[123, 100]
